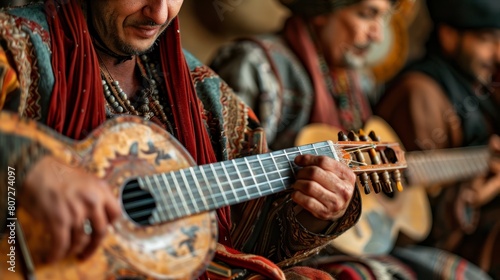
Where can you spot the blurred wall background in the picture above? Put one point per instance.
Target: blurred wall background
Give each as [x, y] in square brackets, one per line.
[207, 24]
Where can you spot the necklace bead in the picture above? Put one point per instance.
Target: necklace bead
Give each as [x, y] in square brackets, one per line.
[147, 103]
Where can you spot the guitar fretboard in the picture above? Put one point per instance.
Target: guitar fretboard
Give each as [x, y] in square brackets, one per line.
[208, 187]
[441, 166]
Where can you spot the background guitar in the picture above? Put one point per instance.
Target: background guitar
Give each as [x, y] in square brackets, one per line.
[384, 217]
[168, 229]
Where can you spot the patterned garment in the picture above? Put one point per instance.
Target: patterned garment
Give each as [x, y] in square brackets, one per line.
[270, 228]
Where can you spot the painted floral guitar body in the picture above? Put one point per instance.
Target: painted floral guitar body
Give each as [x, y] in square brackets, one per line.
[168, 229]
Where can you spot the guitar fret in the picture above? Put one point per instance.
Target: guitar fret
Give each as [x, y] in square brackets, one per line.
[237, 199]
[180, 193]
[470, 165]
[194, 200]
[284, 166]
[243, 185]
[434, 170]
[161, 208]
[208, 187]
[171, 194]
[420, 170]
[253, 176]
[433, 167]
[462, 168]
[200, 190]
[146, 182]
[219, 185]
[269, 182]
[263, 179]
[315, 150]
[277, 169]
[438, 166]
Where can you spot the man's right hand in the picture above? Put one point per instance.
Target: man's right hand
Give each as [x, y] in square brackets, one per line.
[64, 198]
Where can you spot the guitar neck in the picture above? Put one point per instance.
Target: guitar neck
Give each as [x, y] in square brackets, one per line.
[444, 166]
[169, 196]
[209, 187]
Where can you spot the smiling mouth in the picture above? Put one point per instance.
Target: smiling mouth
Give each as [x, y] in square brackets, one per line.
[146, 31]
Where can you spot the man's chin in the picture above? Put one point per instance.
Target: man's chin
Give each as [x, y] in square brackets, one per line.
[355, 63]
[137, 50]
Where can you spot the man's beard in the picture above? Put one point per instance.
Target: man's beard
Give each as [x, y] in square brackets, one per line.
[465, 63]
[130, 50]
[354, 61]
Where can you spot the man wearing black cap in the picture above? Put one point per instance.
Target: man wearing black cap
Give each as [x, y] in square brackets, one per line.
[446, 100]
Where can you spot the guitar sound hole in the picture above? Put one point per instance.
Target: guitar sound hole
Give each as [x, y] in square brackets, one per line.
[138, 204]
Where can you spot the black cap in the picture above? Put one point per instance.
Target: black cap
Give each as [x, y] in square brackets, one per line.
[466, 14]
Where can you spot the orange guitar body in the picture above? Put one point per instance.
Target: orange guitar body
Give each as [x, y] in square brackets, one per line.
[121, 149]
[383, 217]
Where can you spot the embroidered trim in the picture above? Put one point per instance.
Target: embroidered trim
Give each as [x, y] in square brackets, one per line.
[19, 45]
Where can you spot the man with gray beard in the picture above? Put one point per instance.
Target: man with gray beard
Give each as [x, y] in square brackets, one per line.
[311, 72]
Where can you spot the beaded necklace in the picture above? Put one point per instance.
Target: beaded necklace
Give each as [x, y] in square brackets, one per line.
[147, 103]
[341, 84]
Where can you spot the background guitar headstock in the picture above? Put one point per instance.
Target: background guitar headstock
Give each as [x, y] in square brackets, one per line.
[378, 164]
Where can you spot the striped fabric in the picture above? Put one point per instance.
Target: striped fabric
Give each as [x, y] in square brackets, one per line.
[431, 263]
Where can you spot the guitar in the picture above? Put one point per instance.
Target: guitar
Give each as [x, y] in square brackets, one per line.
[383, 217]
[168, 228]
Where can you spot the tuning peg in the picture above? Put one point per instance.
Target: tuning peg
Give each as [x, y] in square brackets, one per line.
[364, 178]
[342, 136]
[374, 136]
[365, 182]
[386, 182]
[377, 186]
[362, 135]
[353, 136]
[397, 178]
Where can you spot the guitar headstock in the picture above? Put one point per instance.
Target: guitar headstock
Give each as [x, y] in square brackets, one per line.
[378, 164]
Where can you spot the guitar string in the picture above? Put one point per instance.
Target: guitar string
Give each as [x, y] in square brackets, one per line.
[224, 192]
[464, 162]
[232, 191]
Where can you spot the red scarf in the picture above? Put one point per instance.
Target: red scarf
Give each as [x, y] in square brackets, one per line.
[77, 102]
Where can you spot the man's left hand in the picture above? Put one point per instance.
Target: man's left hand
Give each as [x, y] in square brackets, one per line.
[324, 186]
